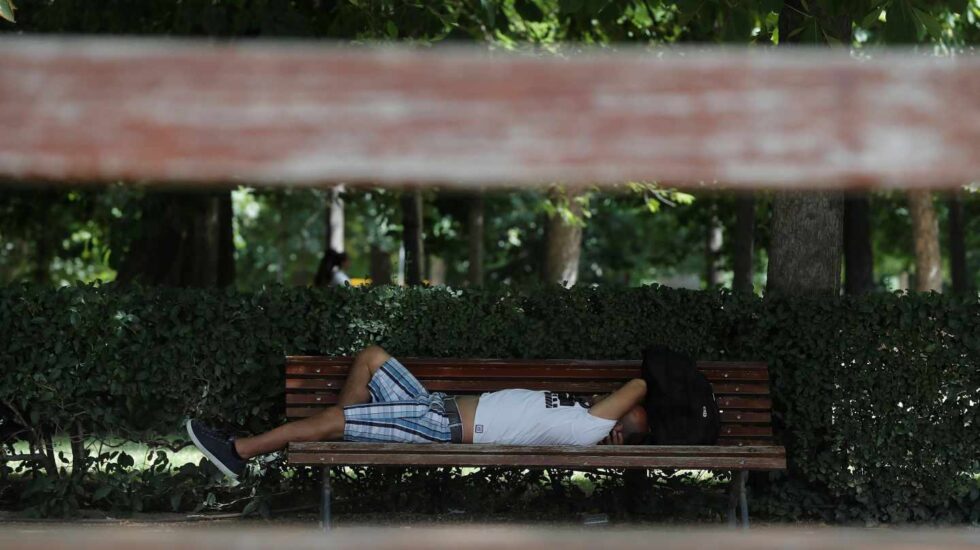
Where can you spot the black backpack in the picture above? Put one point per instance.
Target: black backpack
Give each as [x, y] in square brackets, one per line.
[680, 405]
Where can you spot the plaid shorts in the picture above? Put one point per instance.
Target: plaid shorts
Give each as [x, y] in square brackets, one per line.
[400, 411]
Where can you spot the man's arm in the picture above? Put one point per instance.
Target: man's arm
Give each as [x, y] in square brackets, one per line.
[621, 401]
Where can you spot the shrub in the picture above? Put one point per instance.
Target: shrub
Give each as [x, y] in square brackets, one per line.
[875, 397]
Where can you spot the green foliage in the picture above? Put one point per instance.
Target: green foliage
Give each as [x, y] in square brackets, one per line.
[349, 20]
[279, 236]
[62, 236]
[114, 481]
[7, 10]
[876, 398]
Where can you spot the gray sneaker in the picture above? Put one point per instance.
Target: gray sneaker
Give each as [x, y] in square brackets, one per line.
[218, 447]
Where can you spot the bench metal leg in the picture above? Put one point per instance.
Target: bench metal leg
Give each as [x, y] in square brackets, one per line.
[743, 499]
[737, 497]
[325, 499]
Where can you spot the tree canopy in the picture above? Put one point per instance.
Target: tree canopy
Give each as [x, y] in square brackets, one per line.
[640, 234]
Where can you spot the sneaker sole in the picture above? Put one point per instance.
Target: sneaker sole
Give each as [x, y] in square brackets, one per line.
[197, 443]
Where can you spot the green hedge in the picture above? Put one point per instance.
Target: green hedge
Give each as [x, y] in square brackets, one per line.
[876, 398]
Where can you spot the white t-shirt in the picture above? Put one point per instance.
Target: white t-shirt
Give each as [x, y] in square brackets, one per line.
[528, 417]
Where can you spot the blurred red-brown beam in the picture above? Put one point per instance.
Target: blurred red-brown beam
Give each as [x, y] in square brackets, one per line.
[99, 110]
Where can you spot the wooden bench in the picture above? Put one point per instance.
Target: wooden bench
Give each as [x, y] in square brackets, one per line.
[741, 388]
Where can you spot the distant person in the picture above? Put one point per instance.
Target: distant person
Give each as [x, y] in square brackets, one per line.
[333, 269]
[382, 402]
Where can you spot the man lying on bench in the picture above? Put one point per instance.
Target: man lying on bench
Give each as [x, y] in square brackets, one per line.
[381, 401]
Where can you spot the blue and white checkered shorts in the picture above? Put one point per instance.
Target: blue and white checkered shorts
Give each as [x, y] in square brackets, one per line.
[400, 411]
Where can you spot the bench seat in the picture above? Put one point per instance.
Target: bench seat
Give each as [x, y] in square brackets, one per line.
[687, 457]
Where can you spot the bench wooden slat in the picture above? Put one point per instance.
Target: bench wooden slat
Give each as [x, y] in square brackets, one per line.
[310, 398]
[727, 417]
[745, 430]
[745, 417]
[739, 388]
[301, 372]
[337, 447]
[729, 406]
[492, 361]
[744, 441]
[730, 416]
[748, 403]
[730, 412]
[592, 370]
[757, 407]
[393, 454]
[549, 461]
[294, 397]
[734, 438]
[573, 386]
[492, 384]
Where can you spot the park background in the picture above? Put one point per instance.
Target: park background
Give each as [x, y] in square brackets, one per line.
[130, 306]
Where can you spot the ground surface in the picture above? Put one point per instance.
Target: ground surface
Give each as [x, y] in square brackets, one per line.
[257, 534]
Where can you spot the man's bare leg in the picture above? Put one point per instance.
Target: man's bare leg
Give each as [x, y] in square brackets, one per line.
[365, 364]
[324, 426]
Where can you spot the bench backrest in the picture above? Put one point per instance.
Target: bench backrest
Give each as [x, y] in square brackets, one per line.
[741, 388]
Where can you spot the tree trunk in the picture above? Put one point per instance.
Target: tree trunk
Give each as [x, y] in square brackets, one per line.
[743, 242]
[564, 243]
[903, 281]
[714, 238]
[957, 243]
[807, 234]
[437, 271]
[475, 234]
[380, 266]
[201, 269]
[50, 460]
[154, 255]
[858, 259]
[226, 241]
[46, 238]
[334, 234]
[807, 227]
[412, 236]
[186, 240]
[41, 274]
[335, 219]
[79, 464]
[925, 231]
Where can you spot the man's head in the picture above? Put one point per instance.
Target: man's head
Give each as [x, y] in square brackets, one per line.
[631, 429]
